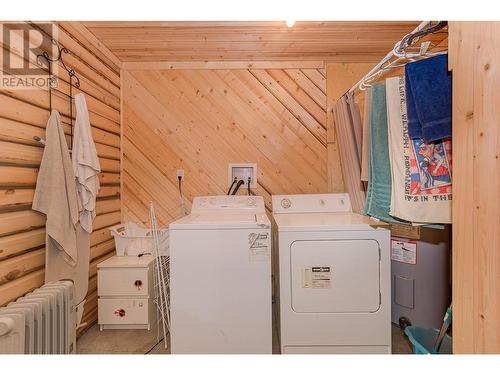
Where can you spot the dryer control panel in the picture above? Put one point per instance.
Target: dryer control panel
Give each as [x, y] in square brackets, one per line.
[311, 203]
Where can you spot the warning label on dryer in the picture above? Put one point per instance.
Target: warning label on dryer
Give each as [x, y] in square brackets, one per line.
[317, 277]
[259, 245]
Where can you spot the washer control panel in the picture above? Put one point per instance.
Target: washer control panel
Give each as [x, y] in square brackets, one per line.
[228, 203]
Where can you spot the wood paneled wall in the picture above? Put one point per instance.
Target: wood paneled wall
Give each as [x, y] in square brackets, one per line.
[23, 114]
[340, 78]
[474, 61]
[201, 120]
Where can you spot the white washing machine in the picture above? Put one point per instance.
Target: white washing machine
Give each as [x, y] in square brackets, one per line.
[334, 276]
[220, 277]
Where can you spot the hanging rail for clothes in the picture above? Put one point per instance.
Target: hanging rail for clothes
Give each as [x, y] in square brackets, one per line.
[399, 49]
[72, 78]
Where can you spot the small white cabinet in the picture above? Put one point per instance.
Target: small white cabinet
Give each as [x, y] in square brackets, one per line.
[125, 290]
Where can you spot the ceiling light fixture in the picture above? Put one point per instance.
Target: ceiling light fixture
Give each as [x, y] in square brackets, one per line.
[290, 23]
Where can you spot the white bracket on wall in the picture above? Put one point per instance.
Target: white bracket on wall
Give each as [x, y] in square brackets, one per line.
[241, 171]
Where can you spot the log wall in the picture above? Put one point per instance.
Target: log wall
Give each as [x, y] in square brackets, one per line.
[24, 114]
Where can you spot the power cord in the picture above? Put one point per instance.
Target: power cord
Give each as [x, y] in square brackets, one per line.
[183, 204]
[154, 346]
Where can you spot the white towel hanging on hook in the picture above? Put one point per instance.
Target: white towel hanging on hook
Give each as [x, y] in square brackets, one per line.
[85, 163]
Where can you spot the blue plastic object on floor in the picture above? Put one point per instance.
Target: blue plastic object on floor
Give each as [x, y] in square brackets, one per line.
[423, 339]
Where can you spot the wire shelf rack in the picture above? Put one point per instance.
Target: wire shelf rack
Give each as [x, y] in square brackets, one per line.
[161, 278]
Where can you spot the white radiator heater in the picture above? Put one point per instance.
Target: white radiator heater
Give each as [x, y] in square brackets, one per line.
[12, 331]
[41, 322]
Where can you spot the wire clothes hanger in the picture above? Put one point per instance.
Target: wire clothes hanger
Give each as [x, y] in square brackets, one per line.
[52, 82]
[404, 51]
[410, 38]
[365, 83]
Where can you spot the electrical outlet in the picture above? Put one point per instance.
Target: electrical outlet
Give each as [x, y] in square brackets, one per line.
[180, 173]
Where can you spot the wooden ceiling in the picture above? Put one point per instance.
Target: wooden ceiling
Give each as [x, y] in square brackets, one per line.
[255, 41]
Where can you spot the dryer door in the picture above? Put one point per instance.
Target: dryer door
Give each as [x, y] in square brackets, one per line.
[335, 276]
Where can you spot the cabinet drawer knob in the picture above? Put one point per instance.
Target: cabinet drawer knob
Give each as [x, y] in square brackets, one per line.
[120, 312]
[138, 284]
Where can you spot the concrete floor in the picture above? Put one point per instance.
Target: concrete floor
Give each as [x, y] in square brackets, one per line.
[94, 341]
[400, 343]
[120, 341]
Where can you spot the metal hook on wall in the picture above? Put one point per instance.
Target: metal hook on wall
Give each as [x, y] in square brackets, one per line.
[73, 78]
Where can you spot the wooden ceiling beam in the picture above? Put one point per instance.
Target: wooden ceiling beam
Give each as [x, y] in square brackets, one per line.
[168, 65]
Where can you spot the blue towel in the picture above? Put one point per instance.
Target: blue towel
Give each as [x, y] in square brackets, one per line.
[378, 195]
[428, 98]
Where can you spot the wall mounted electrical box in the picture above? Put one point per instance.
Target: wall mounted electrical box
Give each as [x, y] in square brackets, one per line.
[241, 171]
